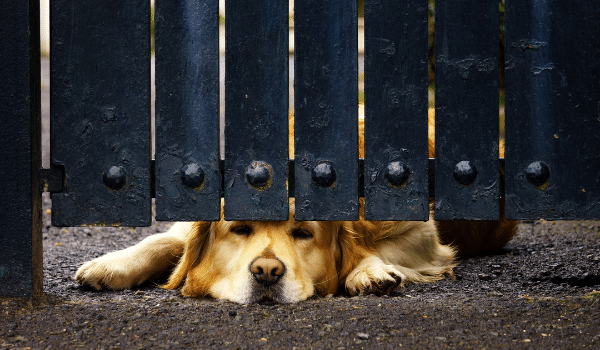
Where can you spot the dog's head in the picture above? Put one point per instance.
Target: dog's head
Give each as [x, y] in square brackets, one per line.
[283, 261]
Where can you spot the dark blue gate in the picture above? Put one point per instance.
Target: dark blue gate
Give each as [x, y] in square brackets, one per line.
[102, 169]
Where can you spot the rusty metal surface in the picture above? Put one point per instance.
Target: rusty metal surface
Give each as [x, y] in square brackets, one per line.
[20, 155]
[466, 105]
[552, 110]
[256, 110]
[188, 181]
[100, 115]
[326, 149]
[396, 186]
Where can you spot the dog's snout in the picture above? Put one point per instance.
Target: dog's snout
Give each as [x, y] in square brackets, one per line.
[267, 271]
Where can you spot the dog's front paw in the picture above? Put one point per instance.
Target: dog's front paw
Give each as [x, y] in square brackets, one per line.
[373, 276]
[108, 272]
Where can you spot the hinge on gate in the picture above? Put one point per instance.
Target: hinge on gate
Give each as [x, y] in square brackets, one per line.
[51, 180]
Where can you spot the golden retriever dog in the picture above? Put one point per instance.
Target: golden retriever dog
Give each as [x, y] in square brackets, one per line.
[284, 261]
[290, 261]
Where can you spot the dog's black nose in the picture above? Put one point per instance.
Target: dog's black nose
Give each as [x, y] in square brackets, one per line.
[267, 271]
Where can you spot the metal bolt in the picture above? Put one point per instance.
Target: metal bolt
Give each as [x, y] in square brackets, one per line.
[192, 175]
[259, 175]
[323, 174]
[396, 173]
[114, 178]
[465, 172]
[538, 173]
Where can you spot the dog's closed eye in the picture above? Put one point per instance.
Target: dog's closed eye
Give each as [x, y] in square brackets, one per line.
[242, 230]
[301, 233]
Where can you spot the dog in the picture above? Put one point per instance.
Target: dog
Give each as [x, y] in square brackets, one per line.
[285, 261]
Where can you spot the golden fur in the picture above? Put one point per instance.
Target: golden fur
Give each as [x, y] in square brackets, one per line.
[215, 259]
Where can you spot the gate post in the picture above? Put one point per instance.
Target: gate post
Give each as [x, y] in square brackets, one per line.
[20, 153]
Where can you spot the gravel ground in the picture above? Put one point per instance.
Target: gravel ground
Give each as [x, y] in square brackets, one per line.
[541, 292]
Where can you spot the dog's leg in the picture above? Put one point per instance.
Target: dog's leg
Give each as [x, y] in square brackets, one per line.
[404, 252]
[127, 268]
[372, 275]
[413, 248]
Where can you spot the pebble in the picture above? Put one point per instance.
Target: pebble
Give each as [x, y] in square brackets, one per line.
[362, 335]
[485, 277]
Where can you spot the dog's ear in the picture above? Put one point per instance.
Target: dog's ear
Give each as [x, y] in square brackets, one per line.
[195, 248]
[355, 239]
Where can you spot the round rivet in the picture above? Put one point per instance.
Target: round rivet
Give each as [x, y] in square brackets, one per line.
[538, 173]
[465, 172]
[323, 174]
[114, 178]
[192, 175]
[259, 174]
[396, 174]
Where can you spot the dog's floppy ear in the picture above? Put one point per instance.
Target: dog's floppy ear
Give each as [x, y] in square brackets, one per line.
[195, 249]
[355, 239]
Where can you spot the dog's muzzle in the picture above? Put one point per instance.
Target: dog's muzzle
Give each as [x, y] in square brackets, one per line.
[267, 271]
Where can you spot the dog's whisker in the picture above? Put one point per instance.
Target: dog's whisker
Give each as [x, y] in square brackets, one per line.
[336, 275]
[155, 284]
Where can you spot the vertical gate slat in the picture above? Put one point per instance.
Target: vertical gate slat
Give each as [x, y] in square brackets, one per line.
[396, 164]
[466, 99]
[552, 109]
[100, 123]
[326, 107]
[188, 181]
[256, 110]
[20, 150]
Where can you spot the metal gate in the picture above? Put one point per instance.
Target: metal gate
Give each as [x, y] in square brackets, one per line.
[102, 171]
